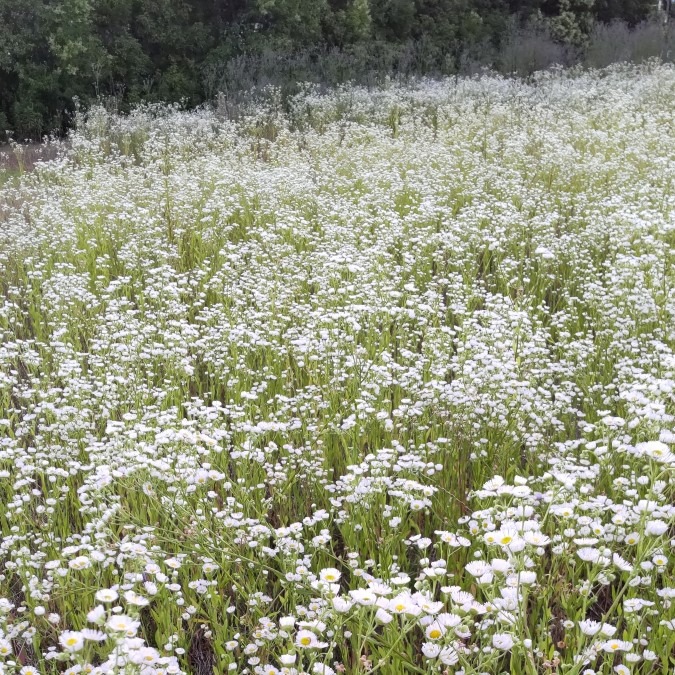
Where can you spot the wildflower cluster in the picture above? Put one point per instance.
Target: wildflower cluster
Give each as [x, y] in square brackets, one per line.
[385, 383]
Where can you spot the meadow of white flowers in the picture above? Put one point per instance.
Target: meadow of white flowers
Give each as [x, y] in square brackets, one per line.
[385, 384]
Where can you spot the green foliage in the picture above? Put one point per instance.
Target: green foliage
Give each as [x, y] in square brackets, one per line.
[356, 21]
[630, 11]
[289, 23]
[152, 50]
[393, 19]
[574, 21]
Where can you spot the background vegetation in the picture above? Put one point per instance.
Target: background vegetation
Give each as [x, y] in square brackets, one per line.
[54, 53]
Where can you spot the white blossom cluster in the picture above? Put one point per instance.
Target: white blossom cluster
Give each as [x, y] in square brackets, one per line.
[381, 382]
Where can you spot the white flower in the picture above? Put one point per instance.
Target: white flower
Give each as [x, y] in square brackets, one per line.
[656, 450]
[449, 620]
[429, 606]
[616, 646]
[383, 616]
[631, 605]
[493, 483]
[503, 641]
[486, 578]
[448, 656]
[589, 554]
[431, 650]
[656, 528]
[133, 598]
[435, 631]
[401, 579]
[342, 605]
[107, 595]
[121, 623]
[589, 627]
[526, 577]
[500, 565]
[404, 604]
[80, 563]
[287, 622]
[322, 669]
[330, 574]
[545, 253]
[363, 596]
[306, 639]
[660, 560]
[93, 635]
[507, 537]
[478, 568]
[71, 641]
[315, 625]
[97, 615]
[145, 656]
[622, 564]
[536, 538]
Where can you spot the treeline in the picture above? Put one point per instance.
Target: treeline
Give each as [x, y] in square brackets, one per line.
[54, 52]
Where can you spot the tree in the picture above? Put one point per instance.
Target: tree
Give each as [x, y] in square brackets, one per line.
[393, 20]
[570, 21]
[630, 11]
[24, 89]
[289, 23]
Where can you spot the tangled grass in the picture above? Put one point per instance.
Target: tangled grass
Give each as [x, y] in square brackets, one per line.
[384, 385]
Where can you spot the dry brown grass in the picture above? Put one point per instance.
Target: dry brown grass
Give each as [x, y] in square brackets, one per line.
[16, 160]
[21, 158]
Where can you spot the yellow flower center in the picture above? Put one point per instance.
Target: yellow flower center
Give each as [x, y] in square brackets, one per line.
[305, 641]
[434, 634]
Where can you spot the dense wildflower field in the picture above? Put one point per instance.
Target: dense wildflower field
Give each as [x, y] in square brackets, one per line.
[381, 385]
